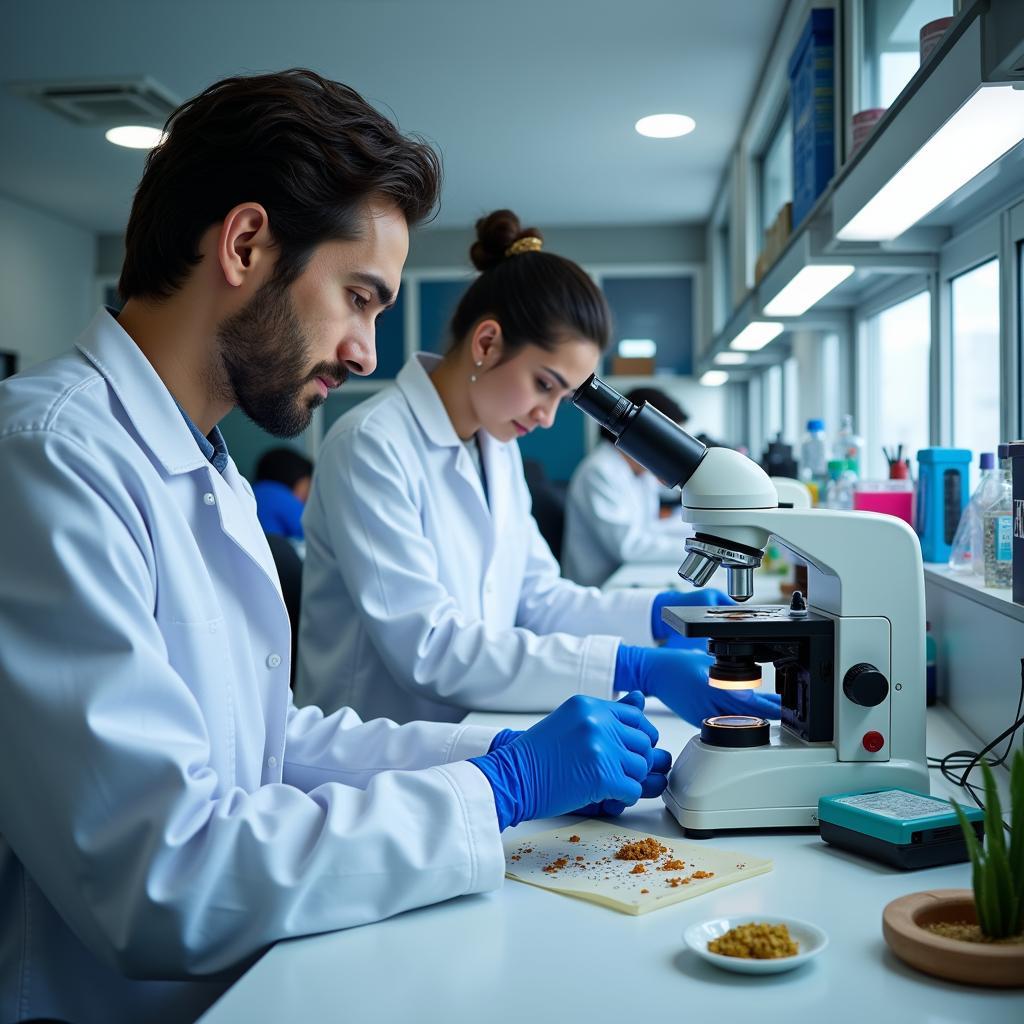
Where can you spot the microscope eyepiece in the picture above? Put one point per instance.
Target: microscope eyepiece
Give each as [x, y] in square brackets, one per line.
[642, 432]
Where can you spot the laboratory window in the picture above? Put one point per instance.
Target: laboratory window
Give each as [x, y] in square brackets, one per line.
[654, 309]
[890, 53]
[390, 338]
[975, 366]
[895, 359]
[437, 300]
[772, 404]
[775, 177]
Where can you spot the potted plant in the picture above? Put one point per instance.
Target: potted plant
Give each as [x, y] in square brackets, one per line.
[972, 935]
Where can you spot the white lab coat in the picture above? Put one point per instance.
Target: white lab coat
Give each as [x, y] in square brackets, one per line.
[166, 813]
[611, 517]
[421, 597]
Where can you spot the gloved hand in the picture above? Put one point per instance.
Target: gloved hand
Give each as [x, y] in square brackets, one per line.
[587, 751]
[653, 785]
[706, 597]
[680, 680]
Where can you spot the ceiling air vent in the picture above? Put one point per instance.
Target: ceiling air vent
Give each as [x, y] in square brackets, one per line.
[104, 103]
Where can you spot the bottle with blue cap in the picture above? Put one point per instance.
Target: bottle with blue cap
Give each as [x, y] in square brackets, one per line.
[814, 453]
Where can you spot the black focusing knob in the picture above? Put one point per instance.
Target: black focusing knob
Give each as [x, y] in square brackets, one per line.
[865, 685]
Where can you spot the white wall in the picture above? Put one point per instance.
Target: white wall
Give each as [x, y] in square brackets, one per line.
[47, 282]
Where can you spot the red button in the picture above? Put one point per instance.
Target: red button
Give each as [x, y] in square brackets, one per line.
[873, 741]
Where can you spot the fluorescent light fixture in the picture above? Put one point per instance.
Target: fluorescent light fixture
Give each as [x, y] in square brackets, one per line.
[665, 126]
[713, 378]
[989, 124]
[756, 335]
[731, 358]
[812, 283]
[637, 348]
[135, 136]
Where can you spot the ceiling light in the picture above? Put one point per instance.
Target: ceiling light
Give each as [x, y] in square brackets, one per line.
[135, 136]
[665, 126]
[989, 124]
[637, 348]
[756, 335]
[731, 358]
[812, 283]
[713, 378]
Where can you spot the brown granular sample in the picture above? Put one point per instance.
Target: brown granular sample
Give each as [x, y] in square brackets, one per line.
[673, 865]
[645, 890]
[703, 874]
[638, 869]
[556, 865]
[676, 882]
[515, 856]
[529, 849]
[581, 857]
[574, 839]
[642, 849]
[756, 942]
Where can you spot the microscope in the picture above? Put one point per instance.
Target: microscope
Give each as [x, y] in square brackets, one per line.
[849, 660]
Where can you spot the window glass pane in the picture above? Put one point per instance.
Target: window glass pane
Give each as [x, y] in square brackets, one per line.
[791, 401]
[777, 172]
[723, 271]
[390, 338]
[438, 300]
[976, 372]
[898, 344]
[772, 403]
[658, 309]
[755, 425]
[891, 53]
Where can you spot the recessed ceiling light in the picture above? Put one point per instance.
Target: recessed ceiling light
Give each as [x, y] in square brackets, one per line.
[731, 358]
[665, 126]
[756, 335]
[135, 136]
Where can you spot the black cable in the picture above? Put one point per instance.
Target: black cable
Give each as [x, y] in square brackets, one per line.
[968, 760]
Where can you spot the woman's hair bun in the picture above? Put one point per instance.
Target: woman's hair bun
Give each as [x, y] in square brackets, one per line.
[494, 234]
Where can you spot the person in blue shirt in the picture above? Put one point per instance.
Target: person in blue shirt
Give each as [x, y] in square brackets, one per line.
[283, 477]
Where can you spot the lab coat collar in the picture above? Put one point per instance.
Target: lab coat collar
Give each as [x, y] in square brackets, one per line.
[142, 393]
[414, 382]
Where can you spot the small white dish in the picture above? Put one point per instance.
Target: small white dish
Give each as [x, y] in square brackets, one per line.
[812, 940]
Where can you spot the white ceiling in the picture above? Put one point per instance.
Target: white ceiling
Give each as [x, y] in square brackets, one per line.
[531, 102]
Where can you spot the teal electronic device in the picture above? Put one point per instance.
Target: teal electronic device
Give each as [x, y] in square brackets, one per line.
[900, 827]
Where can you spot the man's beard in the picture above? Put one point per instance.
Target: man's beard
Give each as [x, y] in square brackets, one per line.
[264, 351]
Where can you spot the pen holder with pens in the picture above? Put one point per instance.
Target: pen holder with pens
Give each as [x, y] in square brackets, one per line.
[941, 498]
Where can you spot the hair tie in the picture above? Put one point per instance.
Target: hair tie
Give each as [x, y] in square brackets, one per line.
[528, 243]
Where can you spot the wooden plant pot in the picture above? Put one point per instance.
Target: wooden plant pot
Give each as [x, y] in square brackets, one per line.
[974, 963]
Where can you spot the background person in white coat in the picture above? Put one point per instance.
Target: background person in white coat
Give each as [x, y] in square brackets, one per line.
[166, 813]
[612, 508]
[427, 588]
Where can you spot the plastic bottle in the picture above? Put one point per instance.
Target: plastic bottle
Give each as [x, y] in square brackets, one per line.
[814, 452]
[967, 553]
[930, 654]
[997, 529]
[840, 487]
[848, 444]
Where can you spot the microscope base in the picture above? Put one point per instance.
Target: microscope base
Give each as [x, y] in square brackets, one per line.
[776, 786]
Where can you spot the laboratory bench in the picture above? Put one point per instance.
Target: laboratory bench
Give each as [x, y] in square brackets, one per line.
[524, 954]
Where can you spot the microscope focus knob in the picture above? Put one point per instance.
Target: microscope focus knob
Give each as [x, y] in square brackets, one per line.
[865, 685]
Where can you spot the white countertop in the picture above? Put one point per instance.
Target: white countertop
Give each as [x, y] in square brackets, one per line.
[522, 954]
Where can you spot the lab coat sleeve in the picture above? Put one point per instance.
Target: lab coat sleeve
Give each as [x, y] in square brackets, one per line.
[431, 646]
[623, 536]
[108, 796]
[342, 748]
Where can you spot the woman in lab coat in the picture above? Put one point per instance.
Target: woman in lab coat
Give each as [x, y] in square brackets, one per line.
[427, 588]
[612, 508]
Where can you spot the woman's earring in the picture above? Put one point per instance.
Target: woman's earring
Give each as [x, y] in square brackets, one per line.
[472, 376]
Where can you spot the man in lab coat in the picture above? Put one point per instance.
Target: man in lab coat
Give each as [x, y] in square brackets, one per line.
[612, 508]
[166, 813]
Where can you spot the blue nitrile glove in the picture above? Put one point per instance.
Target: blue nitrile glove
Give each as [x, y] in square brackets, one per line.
[706, 597]
[653, 785]
[680, 680]
[586, 751]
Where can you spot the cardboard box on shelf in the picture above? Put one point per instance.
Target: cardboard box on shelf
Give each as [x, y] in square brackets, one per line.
[624, 366]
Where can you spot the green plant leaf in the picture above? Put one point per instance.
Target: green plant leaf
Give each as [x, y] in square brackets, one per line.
[977, 873]
[997, 866]
[1016, 856]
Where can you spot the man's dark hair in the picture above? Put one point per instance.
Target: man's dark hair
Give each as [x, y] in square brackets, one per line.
[284, 465]
[309, 150]
[662, 402]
